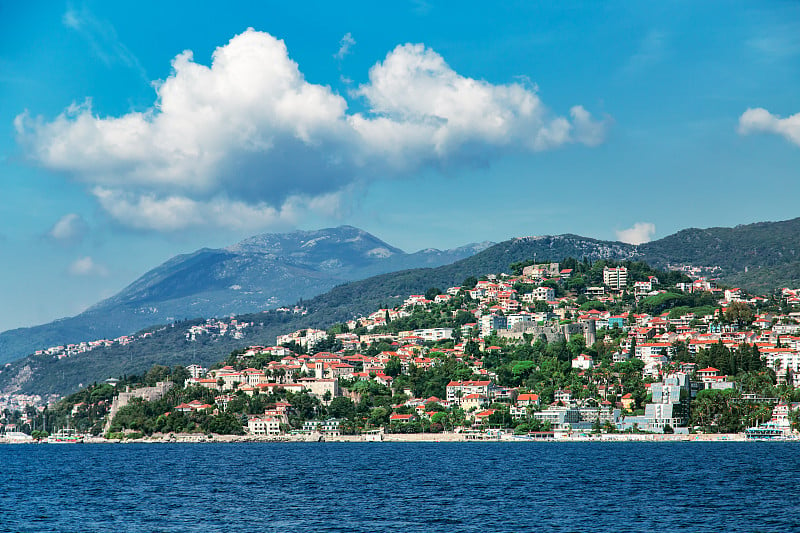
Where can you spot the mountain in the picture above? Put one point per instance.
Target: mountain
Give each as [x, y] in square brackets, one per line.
[258, 273]
[757, 257]
[169, 345]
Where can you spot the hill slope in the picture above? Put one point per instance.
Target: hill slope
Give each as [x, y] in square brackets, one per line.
[168, 344]
[757, 257]
[759, 245]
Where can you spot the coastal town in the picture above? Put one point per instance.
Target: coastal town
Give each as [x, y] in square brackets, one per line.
[413, 266]
[550, 351]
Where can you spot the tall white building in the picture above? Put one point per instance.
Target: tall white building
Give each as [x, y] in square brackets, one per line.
[616, 278]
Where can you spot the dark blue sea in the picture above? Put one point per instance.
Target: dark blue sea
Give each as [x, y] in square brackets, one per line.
[414, 487]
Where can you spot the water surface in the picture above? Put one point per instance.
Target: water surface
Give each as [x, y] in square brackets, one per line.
[406, 487]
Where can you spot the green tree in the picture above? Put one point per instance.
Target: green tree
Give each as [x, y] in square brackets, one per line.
[739, 313]
[342, 407]
[179, 375]
[393, 367]
[379, 417]
[432, 293]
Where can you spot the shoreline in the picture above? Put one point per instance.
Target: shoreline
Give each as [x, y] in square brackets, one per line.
[417, 437]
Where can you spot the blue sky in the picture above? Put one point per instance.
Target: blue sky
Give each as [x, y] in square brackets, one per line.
[427, 124]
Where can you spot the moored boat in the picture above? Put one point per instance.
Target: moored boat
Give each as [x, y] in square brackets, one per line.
[769, 430]
[65, 436]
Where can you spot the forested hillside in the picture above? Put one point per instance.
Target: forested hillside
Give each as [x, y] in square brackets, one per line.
[766, 250]
[762, 245]
[168, 345]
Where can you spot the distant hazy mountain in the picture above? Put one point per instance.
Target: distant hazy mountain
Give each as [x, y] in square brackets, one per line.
[258, 273]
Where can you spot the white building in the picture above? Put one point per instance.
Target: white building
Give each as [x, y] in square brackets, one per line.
[318, 387]
[650, 350]
[329, 428]
[544, 294]
[615, 278]
[456, 390]
[595, 292]
[733, 295]
[196, 371]
[434, 334]
[782, 360]
[583, 362]
[264, 426]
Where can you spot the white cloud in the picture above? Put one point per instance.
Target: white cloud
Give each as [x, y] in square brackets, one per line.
[422, 109]
[171, 213]
[69, 229]
[345, 44]
[85, 266]
[249, 127]
[641, 232]
[247, 140]
[759, 120]
[587, 130]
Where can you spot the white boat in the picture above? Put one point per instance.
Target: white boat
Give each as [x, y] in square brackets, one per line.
[768, 430]
[65, 436]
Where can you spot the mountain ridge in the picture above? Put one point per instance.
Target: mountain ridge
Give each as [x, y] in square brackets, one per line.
[757, 257]
[347, 300]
